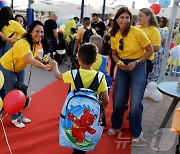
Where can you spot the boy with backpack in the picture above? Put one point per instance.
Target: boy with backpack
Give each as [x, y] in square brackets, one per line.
[83, 34]
[100, 65]
[87, 76]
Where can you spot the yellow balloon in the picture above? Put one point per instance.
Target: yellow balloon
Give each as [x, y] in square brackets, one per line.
[1, 103]
[1, 79]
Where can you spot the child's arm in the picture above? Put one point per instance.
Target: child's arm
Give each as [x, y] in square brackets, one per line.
[55, 69]
[105, 98]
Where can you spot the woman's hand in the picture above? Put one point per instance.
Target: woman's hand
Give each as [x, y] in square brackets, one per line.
[131, 66]
[123, 67]
[48, 67]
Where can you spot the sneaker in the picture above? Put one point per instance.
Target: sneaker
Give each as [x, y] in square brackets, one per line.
[25, 120]
[18, 123]
[135, 140]
[28, 100]
[112, 131]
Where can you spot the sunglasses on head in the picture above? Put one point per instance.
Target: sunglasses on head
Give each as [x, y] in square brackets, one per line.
[121, 42]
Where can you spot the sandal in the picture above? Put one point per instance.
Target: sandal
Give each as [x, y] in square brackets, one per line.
[112, 131]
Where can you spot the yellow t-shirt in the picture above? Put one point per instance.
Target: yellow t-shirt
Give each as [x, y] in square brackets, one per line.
[69, 24]
[87, 77]
[134, 44]
[81, 31]
[97, 64]
[15, 55]
[13, 27]
[154, 36]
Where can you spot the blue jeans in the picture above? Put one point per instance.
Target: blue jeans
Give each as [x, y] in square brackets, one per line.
[3, 50]
[135, 80]
[10, 79]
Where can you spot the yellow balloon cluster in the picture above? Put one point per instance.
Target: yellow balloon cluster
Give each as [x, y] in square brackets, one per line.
[46, 59]
[1, 79]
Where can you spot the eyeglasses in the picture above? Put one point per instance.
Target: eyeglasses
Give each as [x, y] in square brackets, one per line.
[121, 42]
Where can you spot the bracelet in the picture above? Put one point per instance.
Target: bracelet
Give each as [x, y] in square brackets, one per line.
[119, 63]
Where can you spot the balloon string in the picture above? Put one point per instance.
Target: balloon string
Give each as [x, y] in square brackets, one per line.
[5, 134]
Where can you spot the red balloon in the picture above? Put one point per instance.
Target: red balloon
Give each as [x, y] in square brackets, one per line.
[156, 8]
[172, 44]
[14, 101]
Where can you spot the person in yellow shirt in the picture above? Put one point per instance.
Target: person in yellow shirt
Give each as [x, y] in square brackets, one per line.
[149, 25]
[86, 57]
[14, 61]
[130, 49]
[9, 28]
[70, 24]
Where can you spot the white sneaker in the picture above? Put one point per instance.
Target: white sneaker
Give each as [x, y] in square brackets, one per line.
[25, 120]
[18, 123]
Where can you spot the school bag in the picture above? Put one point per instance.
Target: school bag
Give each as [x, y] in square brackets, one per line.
[87, 34]
[70, 46]
[107, 76]
[80, 118]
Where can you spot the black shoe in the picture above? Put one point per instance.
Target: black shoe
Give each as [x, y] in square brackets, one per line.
[28, 100]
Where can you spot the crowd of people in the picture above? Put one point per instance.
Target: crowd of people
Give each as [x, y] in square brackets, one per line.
[135, 51]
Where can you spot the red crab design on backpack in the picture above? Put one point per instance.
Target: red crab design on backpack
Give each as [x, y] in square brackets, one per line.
[80, 126]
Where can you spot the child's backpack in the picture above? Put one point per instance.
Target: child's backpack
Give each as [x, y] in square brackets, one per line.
[80, 118]
[107, 76]
[87, 34]
[70, 46]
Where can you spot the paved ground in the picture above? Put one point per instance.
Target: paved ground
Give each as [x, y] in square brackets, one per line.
[154, 140]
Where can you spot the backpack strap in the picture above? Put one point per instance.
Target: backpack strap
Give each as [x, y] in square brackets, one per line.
[103, 65]
[97, 81]
[78, 82]
[77, 78]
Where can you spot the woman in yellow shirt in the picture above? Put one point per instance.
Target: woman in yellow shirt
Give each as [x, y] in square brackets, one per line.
[130, 48]
[149, 25]
[10, 28]
[14, 61]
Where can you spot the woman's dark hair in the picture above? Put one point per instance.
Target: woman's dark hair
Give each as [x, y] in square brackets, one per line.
[158, 19]
[116, 27]
[29, 37]
[164, 22]
[6, 14]
[87, 52]
[24, 20]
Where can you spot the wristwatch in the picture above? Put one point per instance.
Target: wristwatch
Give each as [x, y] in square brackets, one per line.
[138, 62]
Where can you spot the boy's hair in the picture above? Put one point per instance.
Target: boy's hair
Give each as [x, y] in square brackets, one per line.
[87, 52]
[86, 21]
[73, 30]
[107, 38]
[96, 40]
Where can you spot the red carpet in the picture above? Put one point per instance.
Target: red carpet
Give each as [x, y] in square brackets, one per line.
[41, 135]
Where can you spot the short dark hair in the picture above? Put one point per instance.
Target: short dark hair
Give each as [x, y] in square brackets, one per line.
[73, 30]
[87, 52]
[76, 18]
[94, 15]
[86, 21]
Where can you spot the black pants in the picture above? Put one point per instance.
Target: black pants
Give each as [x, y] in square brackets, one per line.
[113, 64]
[149, 67]
[76, 151]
